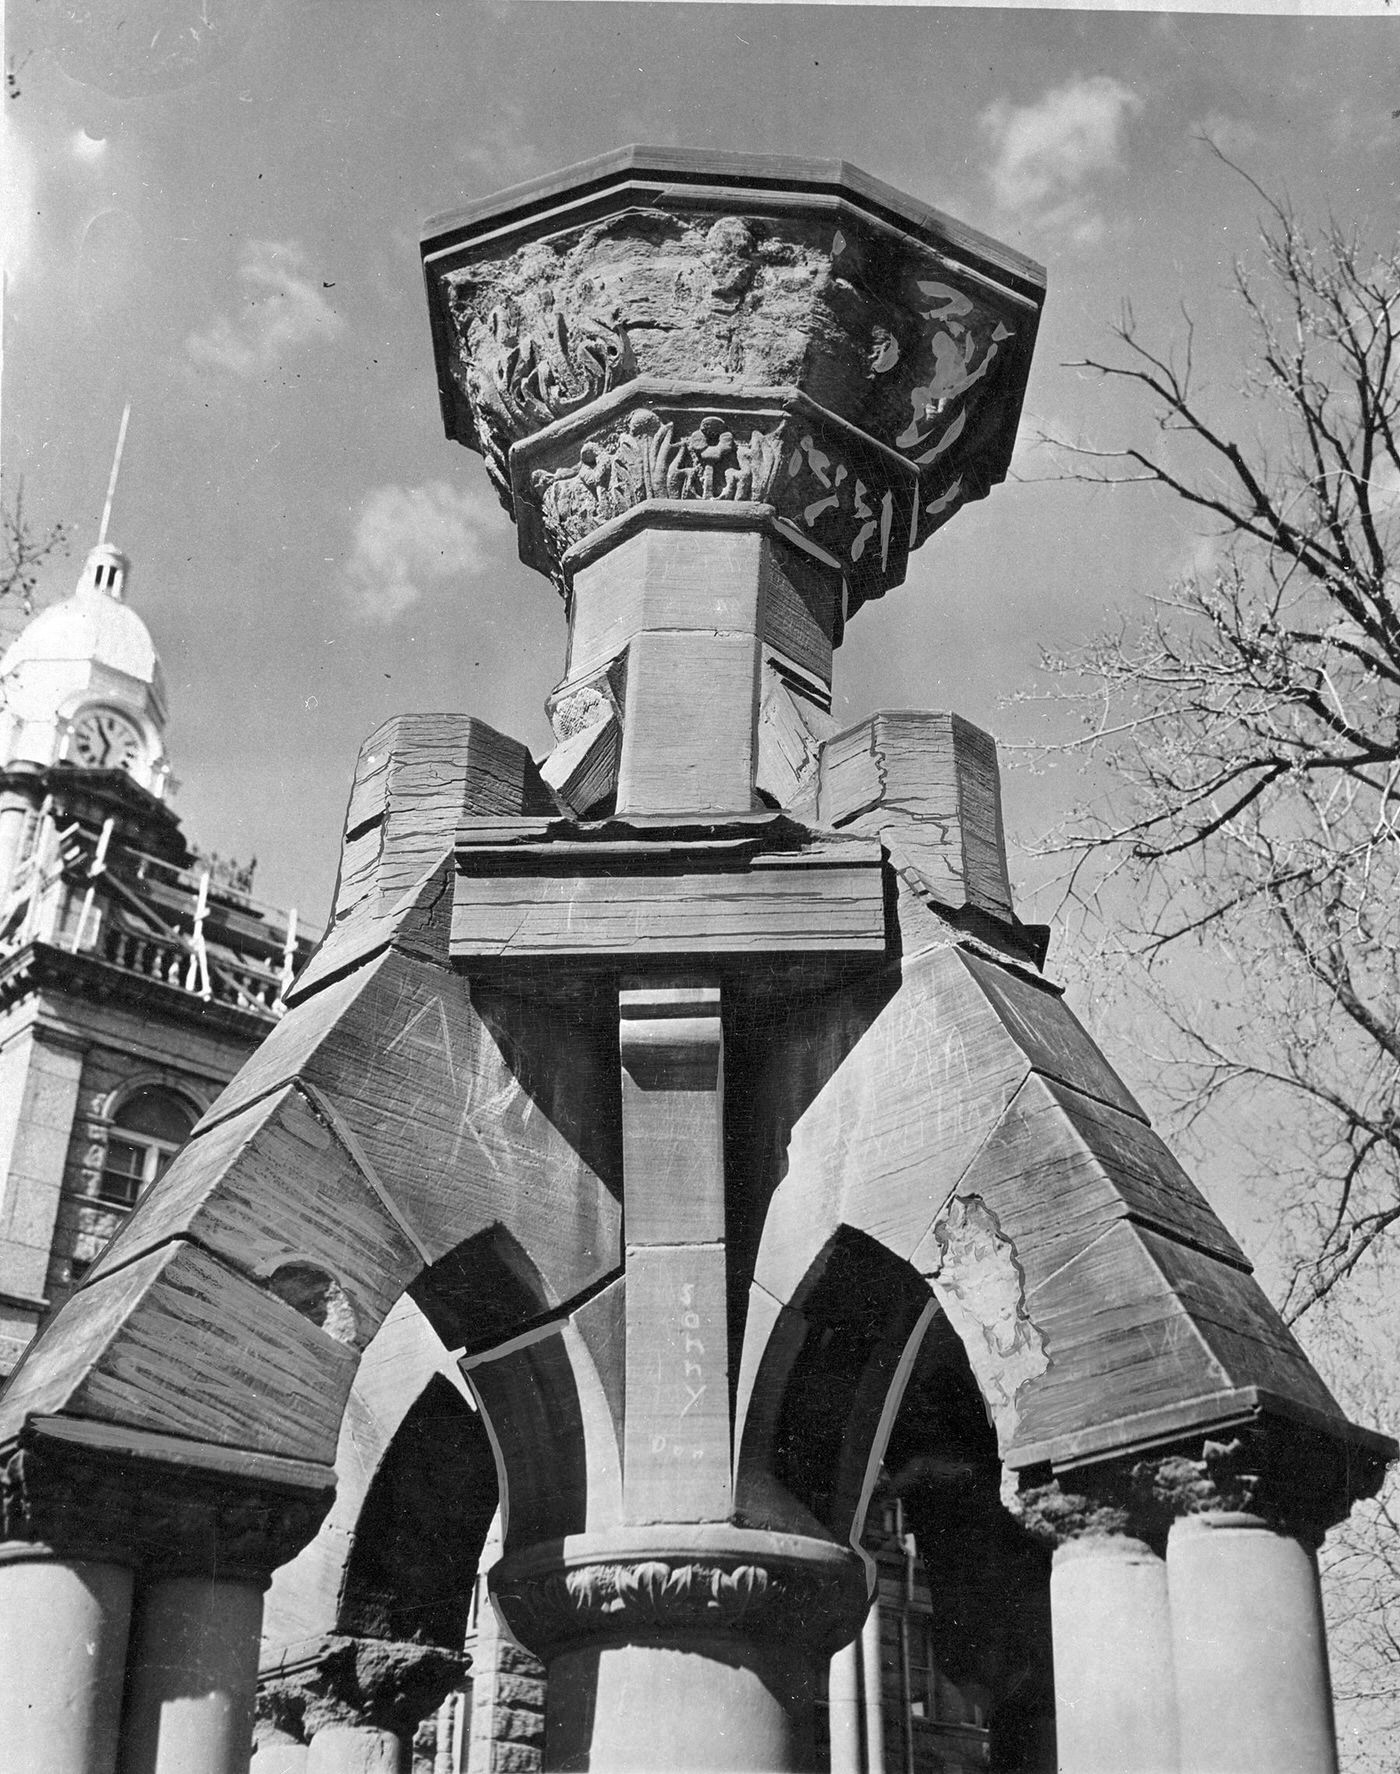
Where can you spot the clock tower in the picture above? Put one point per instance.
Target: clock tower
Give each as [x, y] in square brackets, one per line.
[136, 973]
[82, 683]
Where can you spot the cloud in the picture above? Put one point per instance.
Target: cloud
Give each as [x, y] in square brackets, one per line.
[408, 538]
[1049, 153]
[283, 308]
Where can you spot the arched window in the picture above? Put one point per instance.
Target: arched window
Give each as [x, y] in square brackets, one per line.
[148, 1129]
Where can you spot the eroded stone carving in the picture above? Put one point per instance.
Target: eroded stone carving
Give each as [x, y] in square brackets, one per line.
[846, 516]
[853, 501]
[882, 328]
[675, 1594]
[1276, 1477]
[180, 1520]
[517, 381]
[358, 1681]
[647, 460]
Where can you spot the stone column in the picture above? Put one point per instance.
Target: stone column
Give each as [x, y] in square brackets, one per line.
[1115, 1691]
[193, 1677]
[1115, 1700]
[131, 1583]
[1253, 1688]
[655, 1702]
[873, 1685]
[705, 1662]
[843, 1710]
[63, 1640]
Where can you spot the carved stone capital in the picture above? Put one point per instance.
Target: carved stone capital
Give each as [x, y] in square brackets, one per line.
[819, 1605]
[615, 283]
[385, 1683]
[810, 476]
[176, 1521]
[1058, 1511]
[1294, 1477]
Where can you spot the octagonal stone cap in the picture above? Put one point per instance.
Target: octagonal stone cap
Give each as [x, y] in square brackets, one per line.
[737, 288]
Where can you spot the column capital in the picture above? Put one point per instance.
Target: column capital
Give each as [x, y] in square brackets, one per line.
[710, 327]
[1287, 1476]
[816, 1598]
[383, 1684]
[1098, 1504]
[174, 1521]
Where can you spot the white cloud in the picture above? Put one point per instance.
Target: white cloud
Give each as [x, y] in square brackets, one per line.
[408, 538]
[283, 308]
[1049, 153]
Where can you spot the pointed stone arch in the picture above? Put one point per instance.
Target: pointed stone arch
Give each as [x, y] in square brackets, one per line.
[363, 1630]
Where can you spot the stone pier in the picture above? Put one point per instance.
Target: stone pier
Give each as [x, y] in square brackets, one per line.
[703, 1089]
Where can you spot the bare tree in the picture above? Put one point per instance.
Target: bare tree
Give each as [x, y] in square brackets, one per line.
[1245, 847]
[23, 550]
[1250, 731]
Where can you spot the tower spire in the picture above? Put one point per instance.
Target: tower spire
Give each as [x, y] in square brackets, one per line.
[116, 470]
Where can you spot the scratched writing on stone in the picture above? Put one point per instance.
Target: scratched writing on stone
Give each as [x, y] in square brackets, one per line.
[693, 1382]
[928, 1096]
[492, 1111]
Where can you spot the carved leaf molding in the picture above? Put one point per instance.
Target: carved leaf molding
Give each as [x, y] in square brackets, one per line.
[672, 1594]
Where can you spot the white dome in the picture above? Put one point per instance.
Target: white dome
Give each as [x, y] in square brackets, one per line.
[92, 626]
[90, 651]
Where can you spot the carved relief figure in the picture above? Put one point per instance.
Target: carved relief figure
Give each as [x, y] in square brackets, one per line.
[647, 462]
[518, 383]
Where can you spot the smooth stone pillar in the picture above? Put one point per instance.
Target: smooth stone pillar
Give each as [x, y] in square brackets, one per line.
[843, 1709]
[1254, 1694]
[872, 1677]
[63, 1639]
[701, 1706]
[357, 1749]
[1115, 1696]
[193, 1678]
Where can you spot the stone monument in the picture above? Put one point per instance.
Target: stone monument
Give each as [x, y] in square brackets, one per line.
[702, 1088]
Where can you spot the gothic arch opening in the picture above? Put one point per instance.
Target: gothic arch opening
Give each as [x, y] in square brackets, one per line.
[989, 1581]
[423, 1523]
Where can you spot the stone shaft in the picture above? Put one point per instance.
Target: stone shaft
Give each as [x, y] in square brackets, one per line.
[63, 1642]
[193, 1679]
[710, 1705]
[1250, 1648]
[1115, 1688]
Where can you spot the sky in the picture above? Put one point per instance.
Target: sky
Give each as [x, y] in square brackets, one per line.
[212, 210]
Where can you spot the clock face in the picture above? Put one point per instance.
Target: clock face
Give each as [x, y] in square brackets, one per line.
[104, 741]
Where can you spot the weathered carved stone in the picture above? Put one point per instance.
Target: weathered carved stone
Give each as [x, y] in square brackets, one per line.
[658, 326]
[1291, 1476]
[173, 1520]
[647, 460]
[825, 482]
[358, 1681]
[761, 1596]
